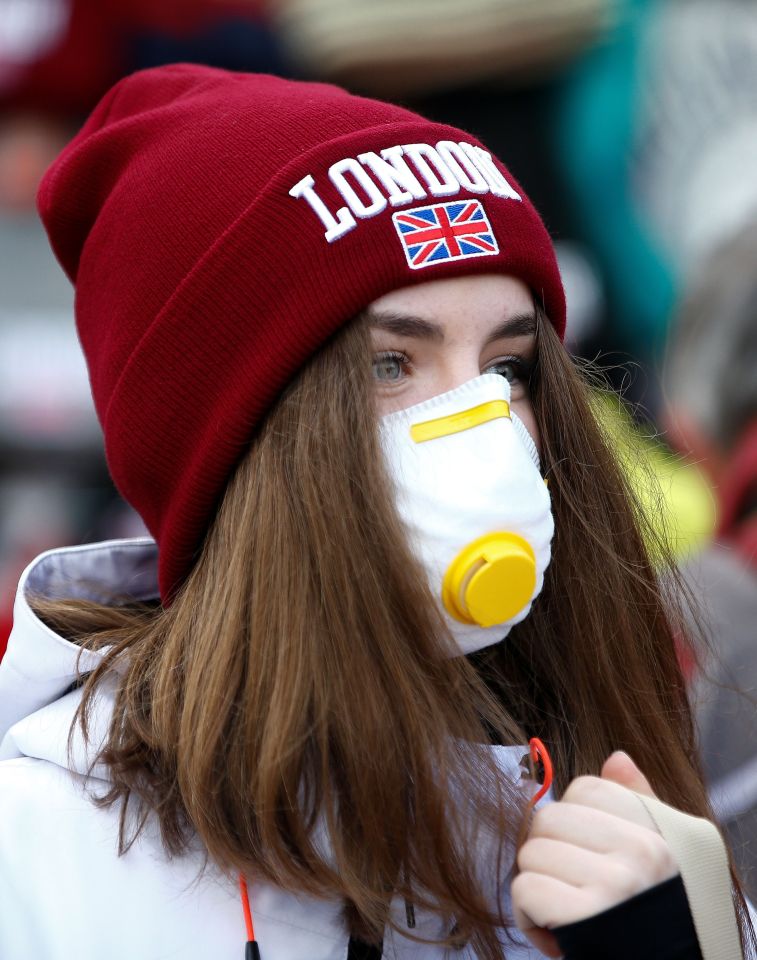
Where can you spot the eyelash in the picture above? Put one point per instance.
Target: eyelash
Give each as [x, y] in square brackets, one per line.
[392, 355]
[524, 367]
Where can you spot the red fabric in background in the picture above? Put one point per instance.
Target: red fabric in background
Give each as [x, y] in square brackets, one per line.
[738, 498]
[71, 76]
[6, 622]
[177, 15]
[93, 52]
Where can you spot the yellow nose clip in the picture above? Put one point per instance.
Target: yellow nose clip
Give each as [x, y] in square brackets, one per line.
[458, 422]
[490, 580]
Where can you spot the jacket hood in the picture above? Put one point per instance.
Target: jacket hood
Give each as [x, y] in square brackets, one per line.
[38, 697]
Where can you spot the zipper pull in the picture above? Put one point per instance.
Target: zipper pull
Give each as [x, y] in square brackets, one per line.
[540, 757]
[251, 950]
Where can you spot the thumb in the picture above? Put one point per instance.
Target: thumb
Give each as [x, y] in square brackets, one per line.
[620, 768]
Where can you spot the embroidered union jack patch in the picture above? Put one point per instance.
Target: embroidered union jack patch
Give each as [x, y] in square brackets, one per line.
[445, 231]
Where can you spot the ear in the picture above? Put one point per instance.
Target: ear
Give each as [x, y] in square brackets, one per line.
[621, 769]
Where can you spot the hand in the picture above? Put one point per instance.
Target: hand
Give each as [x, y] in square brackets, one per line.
[590, 851]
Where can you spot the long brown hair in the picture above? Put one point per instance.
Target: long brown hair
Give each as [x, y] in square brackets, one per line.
[294, 686]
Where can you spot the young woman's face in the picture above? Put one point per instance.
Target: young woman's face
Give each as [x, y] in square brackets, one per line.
[431, 338]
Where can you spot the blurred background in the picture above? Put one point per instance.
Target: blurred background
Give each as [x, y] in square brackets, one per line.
[632, 124]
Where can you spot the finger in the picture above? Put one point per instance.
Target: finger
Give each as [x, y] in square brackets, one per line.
[544, 902]
[564, 861]
[587, 827]
[610, 797]
[620, 769]
[608, 878]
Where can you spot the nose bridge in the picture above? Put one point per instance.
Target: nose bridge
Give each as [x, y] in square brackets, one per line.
[457, 365]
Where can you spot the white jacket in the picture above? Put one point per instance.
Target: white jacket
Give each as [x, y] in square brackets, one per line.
[64, 891]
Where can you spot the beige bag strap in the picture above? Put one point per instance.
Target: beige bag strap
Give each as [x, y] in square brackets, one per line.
[700, 853]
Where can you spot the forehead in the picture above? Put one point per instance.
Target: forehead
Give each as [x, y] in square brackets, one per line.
[459, 302]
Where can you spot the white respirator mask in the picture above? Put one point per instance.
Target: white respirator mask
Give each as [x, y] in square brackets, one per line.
[474, 504]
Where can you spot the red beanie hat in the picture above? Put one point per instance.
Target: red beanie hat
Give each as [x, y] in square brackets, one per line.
[220, 227]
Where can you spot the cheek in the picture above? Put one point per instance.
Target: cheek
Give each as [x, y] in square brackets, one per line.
[391, 397]
[388, 402]
[526, 413]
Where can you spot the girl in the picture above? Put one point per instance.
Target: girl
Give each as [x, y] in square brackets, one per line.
[324, 344]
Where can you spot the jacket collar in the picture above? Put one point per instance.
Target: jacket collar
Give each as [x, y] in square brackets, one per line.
[39, 666]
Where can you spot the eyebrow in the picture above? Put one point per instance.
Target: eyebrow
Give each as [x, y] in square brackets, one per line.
[519, 325]
[406, 326]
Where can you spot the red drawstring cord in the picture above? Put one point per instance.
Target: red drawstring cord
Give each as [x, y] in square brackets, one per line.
[539, 753]
[252, 951]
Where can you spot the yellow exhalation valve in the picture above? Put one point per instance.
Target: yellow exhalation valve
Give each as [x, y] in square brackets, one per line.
[490, 580]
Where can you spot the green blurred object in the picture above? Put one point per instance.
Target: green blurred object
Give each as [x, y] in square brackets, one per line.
[675, 496]
[596, 113]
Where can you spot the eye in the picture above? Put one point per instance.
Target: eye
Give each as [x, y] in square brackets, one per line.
[513, 369]
[389, 367]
